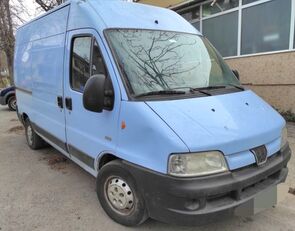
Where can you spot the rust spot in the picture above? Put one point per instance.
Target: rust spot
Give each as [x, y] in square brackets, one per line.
[123, 125]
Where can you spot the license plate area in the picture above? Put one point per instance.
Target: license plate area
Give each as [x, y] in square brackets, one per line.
[263, 200]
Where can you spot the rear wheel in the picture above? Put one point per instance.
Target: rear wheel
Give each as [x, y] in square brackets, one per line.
[12, 103]
[34, 141]
[119, 196]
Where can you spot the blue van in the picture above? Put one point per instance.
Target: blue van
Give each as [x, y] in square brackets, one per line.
[137, 97]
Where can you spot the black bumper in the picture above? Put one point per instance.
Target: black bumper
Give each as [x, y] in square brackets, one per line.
[2, 100]
[196, 201]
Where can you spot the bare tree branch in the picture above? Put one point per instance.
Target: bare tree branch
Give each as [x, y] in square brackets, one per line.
[47, 5]
[160, 61]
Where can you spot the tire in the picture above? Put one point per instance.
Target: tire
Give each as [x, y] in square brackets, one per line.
[34, 141]
[12, 103]
[114, 175]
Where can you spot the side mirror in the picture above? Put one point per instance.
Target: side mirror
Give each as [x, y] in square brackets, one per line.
[237, 74]
[98, 94]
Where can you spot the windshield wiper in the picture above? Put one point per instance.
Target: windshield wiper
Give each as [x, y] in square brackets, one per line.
[193, 90]
[218, 87]
[163, 92]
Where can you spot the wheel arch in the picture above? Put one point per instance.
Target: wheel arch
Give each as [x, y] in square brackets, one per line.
[24, 116]
[105, 158]
[8, 96]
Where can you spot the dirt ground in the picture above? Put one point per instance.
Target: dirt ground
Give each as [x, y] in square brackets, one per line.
[40, 190]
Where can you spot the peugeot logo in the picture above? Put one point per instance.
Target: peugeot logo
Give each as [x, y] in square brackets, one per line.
[260, 154]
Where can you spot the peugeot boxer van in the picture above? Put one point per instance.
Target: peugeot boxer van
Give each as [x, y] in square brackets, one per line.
[137, 97]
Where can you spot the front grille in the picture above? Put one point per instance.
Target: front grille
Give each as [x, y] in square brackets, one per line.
[254, 165]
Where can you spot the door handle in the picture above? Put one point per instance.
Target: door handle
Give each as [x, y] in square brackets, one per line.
[69, 105]
[59, 102]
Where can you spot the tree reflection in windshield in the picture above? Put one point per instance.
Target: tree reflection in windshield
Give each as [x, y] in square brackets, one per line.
[161, 60]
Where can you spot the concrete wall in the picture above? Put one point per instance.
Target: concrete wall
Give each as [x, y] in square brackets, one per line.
[271, 76]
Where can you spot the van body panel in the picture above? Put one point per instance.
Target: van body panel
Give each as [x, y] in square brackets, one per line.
[39, 61]
[146, 140]
[41, 28]
[48, 84]
[82, 15]
[95, 14]
[140, 16]
[89, 133]
[224, 122]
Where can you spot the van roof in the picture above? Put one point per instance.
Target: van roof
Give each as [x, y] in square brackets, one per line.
[135, 15]
[105, 14]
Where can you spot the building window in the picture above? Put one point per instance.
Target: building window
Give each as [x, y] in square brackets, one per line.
[249, 1]
[191, 14]
[266, 27]
[222, 32]
[196, 25]
[219, 6]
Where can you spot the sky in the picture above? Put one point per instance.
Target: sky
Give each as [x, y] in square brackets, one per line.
[32, 9]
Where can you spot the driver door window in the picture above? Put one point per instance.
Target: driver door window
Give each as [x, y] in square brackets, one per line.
[86, 60]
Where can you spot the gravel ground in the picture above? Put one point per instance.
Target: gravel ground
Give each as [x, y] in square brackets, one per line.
[39, 190]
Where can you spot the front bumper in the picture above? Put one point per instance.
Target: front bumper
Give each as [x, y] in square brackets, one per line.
[200, 200]
[2, 100]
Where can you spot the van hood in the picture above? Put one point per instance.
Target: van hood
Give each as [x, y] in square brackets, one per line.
[231, 123]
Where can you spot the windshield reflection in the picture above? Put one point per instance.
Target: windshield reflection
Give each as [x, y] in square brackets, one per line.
[162, 60]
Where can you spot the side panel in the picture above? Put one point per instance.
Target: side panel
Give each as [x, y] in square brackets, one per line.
[146, 141]
[47, 73]
[46, 26]
[39, 60]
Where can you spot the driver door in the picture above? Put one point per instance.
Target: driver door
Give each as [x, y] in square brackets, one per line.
[88, 133]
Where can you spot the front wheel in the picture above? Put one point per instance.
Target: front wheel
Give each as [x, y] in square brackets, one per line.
[12, 103]
[119, 196]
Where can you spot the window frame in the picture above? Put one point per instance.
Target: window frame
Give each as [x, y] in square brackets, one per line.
[178, 8]
[93, 40]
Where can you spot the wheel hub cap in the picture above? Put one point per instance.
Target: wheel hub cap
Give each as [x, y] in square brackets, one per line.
[30, 134]
[13, 104]
[120, 195]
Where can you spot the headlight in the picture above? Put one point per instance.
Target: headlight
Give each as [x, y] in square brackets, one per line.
[196, 164]
[284, 138]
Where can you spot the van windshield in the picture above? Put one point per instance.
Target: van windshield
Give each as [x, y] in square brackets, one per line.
[162, 61]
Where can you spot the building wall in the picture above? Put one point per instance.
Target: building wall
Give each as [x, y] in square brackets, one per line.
[271, 76]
